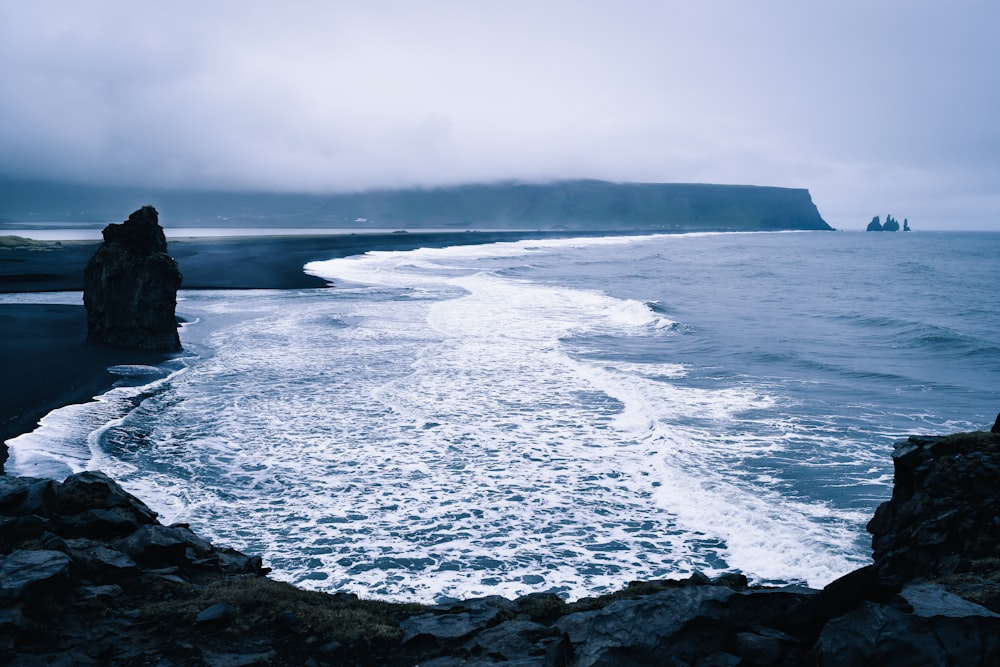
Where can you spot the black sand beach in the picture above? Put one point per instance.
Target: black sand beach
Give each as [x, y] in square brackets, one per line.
[47, 361]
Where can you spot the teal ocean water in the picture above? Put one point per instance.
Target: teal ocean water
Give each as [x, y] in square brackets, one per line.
[560, 415]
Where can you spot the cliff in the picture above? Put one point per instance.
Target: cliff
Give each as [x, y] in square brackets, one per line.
[88, 576]
[577, 204]
[588, 205]
[130, 286]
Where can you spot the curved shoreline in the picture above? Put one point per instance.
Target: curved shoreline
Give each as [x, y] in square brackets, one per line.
[47, 361]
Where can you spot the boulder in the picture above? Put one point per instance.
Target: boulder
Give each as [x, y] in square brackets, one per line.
[158, 546]
[130, 286]
[23, 496]
[941, 519]
[512, 640]
[939, 630]
[30, 572]
[636, 631]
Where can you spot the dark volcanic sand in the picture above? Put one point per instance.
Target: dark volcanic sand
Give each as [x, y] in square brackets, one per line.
[249, 262]
[48, 363]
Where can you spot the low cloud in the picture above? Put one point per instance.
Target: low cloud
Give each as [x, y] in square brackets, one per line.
[867, 106]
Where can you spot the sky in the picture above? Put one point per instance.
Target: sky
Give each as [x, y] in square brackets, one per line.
[875, 106]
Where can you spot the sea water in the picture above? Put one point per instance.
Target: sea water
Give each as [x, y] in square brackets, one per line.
[558, 415]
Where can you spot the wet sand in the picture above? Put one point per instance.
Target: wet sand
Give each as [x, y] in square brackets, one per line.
[45, 358]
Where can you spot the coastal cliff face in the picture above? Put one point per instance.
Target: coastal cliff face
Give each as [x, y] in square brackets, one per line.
[943, 521]
[584, 204]
[88, 576]
[130, 286]
[588, 205]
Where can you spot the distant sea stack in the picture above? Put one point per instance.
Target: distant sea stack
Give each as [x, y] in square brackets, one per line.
[130, 286]
[891, 225]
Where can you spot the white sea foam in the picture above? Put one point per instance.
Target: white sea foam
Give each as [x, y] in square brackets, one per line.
[53, 298]
[447, 431]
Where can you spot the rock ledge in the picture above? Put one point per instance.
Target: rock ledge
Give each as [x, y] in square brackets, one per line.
[88, 576]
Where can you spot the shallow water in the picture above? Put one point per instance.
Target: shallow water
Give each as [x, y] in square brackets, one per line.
[556, 415]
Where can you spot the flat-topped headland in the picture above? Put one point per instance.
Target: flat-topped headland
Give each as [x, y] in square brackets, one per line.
[582, 205]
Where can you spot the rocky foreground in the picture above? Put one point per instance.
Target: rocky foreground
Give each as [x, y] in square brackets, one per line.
[89, 577]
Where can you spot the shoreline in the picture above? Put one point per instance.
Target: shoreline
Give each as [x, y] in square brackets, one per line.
[49, 364]
[236, 262]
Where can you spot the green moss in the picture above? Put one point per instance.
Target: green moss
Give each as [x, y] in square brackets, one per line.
[980, 583]
[261, 602]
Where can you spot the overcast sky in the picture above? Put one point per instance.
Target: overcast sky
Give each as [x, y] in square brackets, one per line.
[875, 106]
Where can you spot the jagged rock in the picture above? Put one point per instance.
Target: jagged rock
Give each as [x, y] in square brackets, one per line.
[22, 496]
[511, 641]
[99, 561]
[218, 613]
[874, 225]
[130, 286]
[929, 600]
[87, 503]
[16, 529]
[157, 546]
[445, 626]
[232, 561]
[636, 630]
[462, 618]
[105, 523]
[930, 635]
[838, 597]
[996, 426]
[29, 572]
[937, 538]
[890, 225]
[942, 516]
[93, 489]
[98, 592]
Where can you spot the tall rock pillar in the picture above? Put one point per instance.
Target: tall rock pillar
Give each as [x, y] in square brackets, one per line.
[130, 286]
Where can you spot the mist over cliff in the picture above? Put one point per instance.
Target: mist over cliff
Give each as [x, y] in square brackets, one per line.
[576, 204]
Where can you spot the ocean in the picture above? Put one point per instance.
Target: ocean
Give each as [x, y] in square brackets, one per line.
[554, 416]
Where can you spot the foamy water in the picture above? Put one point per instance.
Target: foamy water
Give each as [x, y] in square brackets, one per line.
[486, 419]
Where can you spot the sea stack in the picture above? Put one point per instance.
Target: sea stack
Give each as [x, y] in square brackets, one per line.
[130, 286]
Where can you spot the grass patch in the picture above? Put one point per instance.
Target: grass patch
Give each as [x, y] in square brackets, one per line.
[263, 603]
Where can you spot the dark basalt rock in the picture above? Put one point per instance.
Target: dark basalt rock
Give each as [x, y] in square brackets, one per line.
[874, 225]
[74, 582]
[942, 518]
[26, 572]
[130, 286]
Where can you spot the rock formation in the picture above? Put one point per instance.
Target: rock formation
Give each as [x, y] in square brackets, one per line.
[130, 286]
[582, 205]
[941, 520]
[88, 576]
[891, 225]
